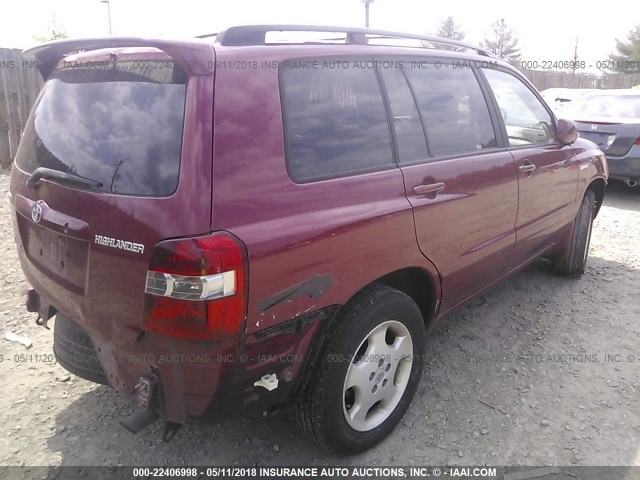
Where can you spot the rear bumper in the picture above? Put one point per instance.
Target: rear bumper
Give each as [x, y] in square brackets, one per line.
[203, 381]
[627, 166]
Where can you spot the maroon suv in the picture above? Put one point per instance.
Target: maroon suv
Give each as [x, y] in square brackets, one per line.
[231, 224]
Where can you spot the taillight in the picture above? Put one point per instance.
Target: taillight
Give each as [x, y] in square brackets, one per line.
[195, 288]
[638, 141]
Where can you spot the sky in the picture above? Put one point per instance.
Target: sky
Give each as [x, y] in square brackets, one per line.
[547, 30]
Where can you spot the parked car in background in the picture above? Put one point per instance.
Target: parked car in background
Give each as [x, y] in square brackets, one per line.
[611, 120]
[225, 225]
[559, 98]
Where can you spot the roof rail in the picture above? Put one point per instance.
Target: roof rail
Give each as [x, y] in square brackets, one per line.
[256, 35]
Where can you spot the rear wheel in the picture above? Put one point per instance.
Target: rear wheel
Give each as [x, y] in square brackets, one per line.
[573, 263]
[368, 372]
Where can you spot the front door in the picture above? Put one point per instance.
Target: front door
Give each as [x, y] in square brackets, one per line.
[461, 185]
[547, 171]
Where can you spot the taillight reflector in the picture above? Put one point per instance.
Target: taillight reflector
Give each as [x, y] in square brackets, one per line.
[195, 288]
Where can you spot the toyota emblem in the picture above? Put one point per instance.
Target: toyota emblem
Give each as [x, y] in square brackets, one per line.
[36, 212]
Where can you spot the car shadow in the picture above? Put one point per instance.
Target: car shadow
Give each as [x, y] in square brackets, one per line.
[510, 379]
[619, 195]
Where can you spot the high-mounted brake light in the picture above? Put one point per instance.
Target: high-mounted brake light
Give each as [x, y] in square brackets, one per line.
[195, 288]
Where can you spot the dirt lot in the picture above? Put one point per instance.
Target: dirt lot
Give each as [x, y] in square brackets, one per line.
[519, 377]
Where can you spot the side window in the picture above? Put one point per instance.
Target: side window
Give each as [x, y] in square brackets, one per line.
[525, 118]
[455, 115]
[410, 140]
[335, 122]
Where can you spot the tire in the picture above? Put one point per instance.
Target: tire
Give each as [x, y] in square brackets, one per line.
[573, 264]
[74, 351]
[335, 408]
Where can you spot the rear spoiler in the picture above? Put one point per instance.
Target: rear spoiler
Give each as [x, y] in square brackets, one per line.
[194, 56]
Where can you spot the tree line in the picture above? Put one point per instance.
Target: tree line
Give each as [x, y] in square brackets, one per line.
[504, 44]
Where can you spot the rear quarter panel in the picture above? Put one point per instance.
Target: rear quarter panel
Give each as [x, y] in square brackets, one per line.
[351, 230]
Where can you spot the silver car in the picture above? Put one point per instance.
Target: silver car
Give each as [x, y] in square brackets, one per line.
[611, 120]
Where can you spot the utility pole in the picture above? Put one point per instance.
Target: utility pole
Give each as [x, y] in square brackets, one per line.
[108, 2]
[366, 12]
[574, 65]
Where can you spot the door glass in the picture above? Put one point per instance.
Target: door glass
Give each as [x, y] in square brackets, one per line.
[410, 140]
[525, 118]
[335, 122]
[453, 109]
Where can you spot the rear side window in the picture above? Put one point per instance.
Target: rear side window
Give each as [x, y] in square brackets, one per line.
[453, 109]
[335, 121]
[410, 140]
[120, 125]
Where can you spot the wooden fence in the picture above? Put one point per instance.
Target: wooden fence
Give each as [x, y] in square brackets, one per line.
[544, 79]
[20, 83]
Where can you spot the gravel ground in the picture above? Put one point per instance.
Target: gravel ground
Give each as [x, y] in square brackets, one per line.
[518, 377]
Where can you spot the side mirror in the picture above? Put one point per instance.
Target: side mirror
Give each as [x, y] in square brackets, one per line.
[566, 131]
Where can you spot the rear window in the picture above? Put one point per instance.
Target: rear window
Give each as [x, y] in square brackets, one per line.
[117, 123]
[606, 106]
[335, 120]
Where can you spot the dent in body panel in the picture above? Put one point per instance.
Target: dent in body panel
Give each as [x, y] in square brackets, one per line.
[314, 287]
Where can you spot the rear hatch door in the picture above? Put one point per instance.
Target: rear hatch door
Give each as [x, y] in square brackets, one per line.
[121, 143]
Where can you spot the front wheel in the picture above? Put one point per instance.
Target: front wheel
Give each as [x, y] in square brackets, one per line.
[573, 263]
[368, 372]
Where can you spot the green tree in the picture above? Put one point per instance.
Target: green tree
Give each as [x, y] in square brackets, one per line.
[450, 29]
[628, 52]
[504, 43]
[55, 31]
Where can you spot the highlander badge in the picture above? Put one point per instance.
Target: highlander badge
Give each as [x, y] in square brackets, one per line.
[121, 244]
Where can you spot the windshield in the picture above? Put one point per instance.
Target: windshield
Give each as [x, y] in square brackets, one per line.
[605, 106]
[119, 124]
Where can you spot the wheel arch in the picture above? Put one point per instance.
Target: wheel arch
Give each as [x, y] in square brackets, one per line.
[597, 186]
[419, 285]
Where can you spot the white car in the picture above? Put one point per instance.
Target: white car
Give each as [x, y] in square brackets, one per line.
[557, 98]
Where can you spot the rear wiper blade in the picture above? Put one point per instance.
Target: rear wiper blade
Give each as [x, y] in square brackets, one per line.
[51, 174]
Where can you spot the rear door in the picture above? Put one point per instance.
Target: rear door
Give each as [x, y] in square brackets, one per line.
[461, 184]
[125, 121]
[547, 171]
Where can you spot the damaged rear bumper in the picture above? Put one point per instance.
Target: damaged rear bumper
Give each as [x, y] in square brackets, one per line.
[196, 382]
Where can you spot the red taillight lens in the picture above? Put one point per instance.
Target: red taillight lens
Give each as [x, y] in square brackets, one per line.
[195, 288]
[638, 141]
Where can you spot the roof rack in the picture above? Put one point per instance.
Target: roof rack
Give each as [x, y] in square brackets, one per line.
[256, 35]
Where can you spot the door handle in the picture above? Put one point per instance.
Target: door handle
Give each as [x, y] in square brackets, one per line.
[528, 168]
[422, 190]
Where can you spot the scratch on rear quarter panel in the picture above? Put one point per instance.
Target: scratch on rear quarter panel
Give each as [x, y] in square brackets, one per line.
[314, 287]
